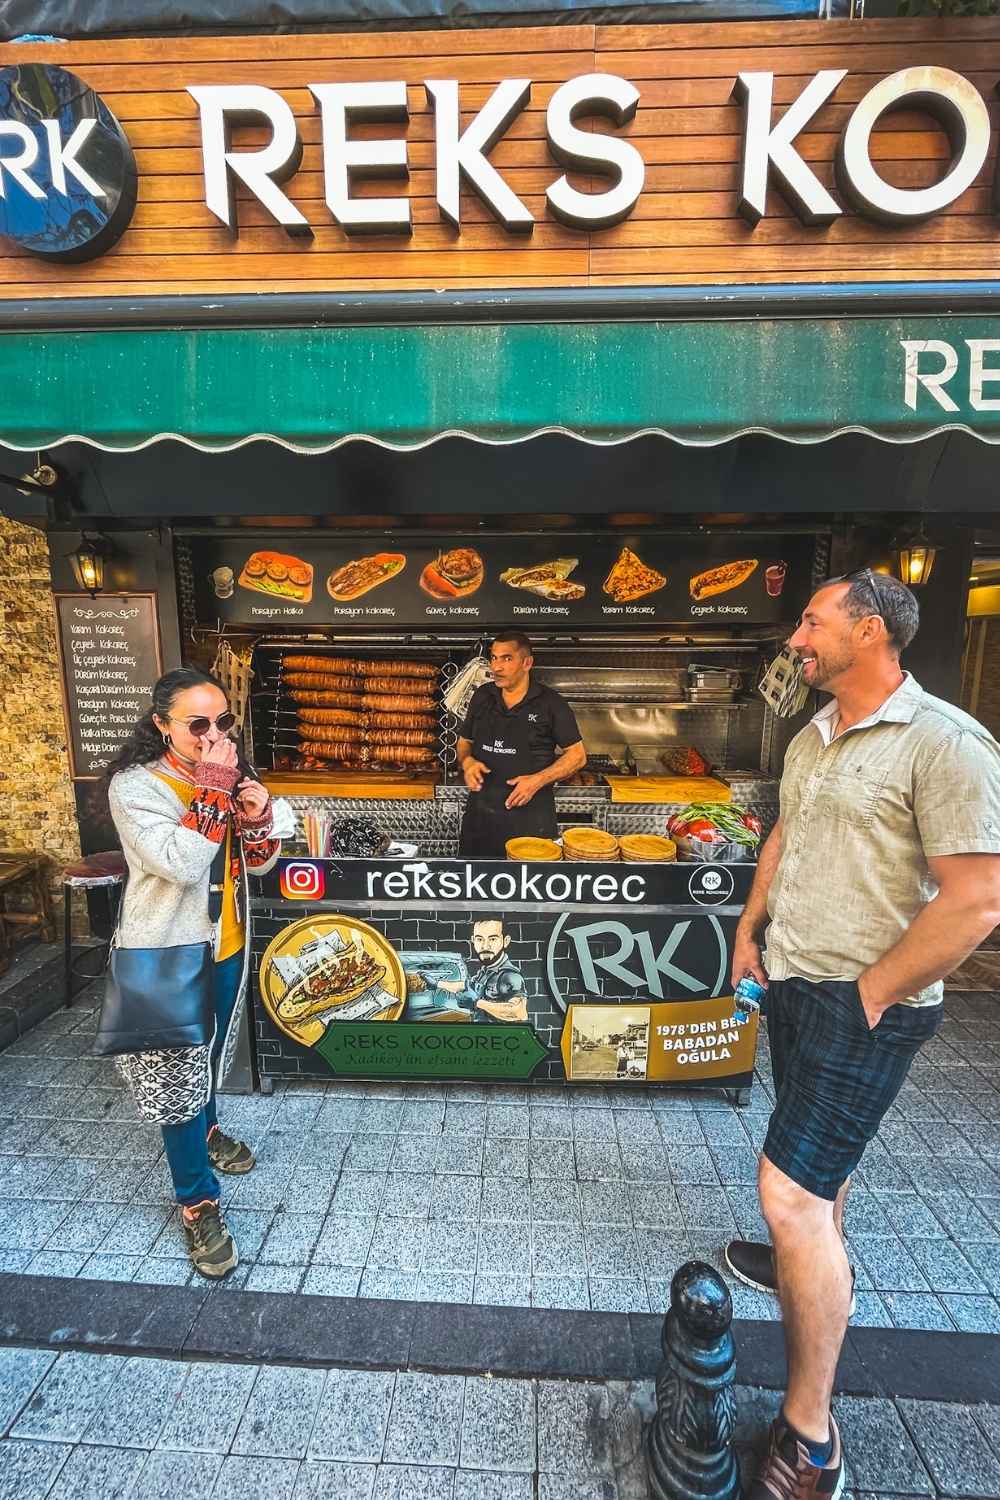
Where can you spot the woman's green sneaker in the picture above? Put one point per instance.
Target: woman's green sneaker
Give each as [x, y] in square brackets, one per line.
[211, 1247]
[229, 1155]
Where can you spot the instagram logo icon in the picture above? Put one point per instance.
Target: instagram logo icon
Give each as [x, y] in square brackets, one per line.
[301, 880]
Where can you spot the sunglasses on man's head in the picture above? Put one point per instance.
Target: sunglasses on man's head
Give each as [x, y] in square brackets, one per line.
[202, 724]
[870, 581]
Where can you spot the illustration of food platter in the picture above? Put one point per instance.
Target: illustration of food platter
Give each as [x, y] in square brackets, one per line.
[330, 968]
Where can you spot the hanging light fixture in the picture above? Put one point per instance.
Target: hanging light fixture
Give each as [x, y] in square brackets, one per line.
[88, 563]
[914, 557]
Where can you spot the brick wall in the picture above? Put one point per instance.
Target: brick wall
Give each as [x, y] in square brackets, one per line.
[36, 792]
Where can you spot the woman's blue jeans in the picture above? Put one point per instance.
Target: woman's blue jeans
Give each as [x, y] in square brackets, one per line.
[187, 1145]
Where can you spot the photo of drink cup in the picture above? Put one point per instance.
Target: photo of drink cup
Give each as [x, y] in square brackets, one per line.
[223, 581]
[774, 578]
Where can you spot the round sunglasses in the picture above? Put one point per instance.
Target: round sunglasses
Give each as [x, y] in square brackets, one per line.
[202, 724]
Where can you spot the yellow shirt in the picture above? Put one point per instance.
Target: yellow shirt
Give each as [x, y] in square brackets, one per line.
[231, 936]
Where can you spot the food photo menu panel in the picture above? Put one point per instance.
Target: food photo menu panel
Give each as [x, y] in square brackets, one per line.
[553, 581]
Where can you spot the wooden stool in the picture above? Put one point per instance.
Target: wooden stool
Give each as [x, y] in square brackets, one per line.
[95, 872]
[25, 873]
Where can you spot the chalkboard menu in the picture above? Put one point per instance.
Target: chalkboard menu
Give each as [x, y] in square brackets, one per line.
[110, 651]
[557, 581]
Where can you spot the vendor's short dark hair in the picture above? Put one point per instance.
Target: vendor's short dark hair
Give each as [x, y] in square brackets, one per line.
[871, 593]
[514, 638]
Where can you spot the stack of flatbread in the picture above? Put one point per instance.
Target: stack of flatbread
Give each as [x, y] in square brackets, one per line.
[647, 848]
[591, 844]
[533, 849]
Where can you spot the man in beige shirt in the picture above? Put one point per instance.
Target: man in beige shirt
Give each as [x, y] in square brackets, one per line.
[881, 876]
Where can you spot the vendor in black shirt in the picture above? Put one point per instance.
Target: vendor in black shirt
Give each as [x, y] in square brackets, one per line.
[518, 739]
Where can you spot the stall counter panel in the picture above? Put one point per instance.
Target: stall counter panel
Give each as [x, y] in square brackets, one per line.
[495, 971]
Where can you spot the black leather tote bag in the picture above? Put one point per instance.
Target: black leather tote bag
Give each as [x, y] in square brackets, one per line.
[157, 997]
[161, 997]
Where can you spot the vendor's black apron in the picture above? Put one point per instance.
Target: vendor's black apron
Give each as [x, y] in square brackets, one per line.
[487, 824]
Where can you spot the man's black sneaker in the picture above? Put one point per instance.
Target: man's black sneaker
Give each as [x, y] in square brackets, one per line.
[229, 1155]
[753, 1263]
[788, 1473]
[211, 1247]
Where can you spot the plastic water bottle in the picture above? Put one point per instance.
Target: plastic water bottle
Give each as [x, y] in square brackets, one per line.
[748, 994]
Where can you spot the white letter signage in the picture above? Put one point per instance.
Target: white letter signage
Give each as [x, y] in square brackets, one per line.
[957, 107]
[465, 155]
[596, 93]
[765, 147]
[344, 160]
[224, 105]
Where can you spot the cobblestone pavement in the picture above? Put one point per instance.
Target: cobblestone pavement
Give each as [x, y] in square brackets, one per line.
[547, 1197]
[105, 1427]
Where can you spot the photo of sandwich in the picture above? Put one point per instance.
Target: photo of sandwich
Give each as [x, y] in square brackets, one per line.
[356, 578]
[720, 580]
[279, 575]
[326, 968]
[454, 574]
[631, 578]
[550, 580]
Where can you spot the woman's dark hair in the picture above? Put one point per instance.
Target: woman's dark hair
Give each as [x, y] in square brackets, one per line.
[145, 743]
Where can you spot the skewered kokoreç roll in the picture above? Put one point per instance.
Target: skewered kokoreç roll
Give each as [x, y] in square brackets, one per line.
[421, 669]
[405, 687]
[391, 702]
[326, 697]
[383, 739]
[329, 716]
[331, 681]
[340, 666]
[403, 720]
[347, 734]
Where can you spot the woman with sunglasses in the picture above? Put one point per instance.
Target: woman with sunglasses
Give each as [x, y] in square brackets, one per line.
[182, 802]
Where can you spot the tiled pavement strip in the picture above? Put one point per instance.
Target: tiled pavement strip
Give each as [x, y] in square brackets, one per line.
[582, 1198]
[99, 1427]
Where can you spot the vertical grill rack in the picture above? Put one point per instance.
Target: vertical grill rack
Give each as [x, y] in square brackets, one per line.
[273, 712]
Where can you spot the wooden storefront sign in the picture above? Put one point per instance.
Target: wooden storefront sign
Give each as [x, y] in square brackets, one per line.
[709, 146]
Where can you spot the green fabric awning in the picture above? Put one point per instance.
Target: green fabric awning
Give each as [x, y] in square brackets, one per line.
[312, 388]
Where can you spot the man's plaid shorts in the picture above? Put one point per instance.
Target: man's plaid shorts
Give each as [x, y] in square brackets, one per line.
[834, 1078]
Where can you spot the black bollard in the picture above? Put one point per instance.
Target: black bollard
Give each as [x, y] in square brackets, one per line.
[690, 1442]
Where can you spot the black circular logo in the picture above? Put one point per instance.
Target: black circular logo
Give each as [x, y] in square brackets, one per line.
[711, 885]
[68, 178]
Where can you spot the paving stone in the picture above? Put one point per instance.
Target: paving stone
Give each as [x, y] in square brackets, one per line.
[945, 1266]
[387, 1284]
[479, 1485]
[960, 1458]
[277, 1421]
[598, 1160]
[552, 1159]
[654, 1205]
[353, 1415]
[407, 1195]
[549, 1122]
[56, 1263]
[96, 1474]
[320, 1481]
[445, 1286]
[331, 1281]
[889, 1262]
[878, 1449]
[554, 1202]
[28, 1469]
[507, 1121]
[505, 1200]
[502, 1291]
[245, 1478]
[505, 1159]
[605, 1203]
[455, 1198]
[573, 1430]
[973, 1314]
[398, 1244]
[870, 1311]
[459, 1155]
[414, 1153]
[645, 1162]
[68, 1396]
[917, 1310]
[344, 1240]
[267, 1278]
[425, 1420]
[21, 1371]
[28, 1225]
[138, 1405]
[560, 1291]
[504, 1249]
[498, 1427]
[558, 1249]
[706, 1208]
[611, 1251]
[165, 1476]
[623, 1294]
[564, 1487]
[291, 1239]
[395, 1483]
[209, 1408]
[451, 1247]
